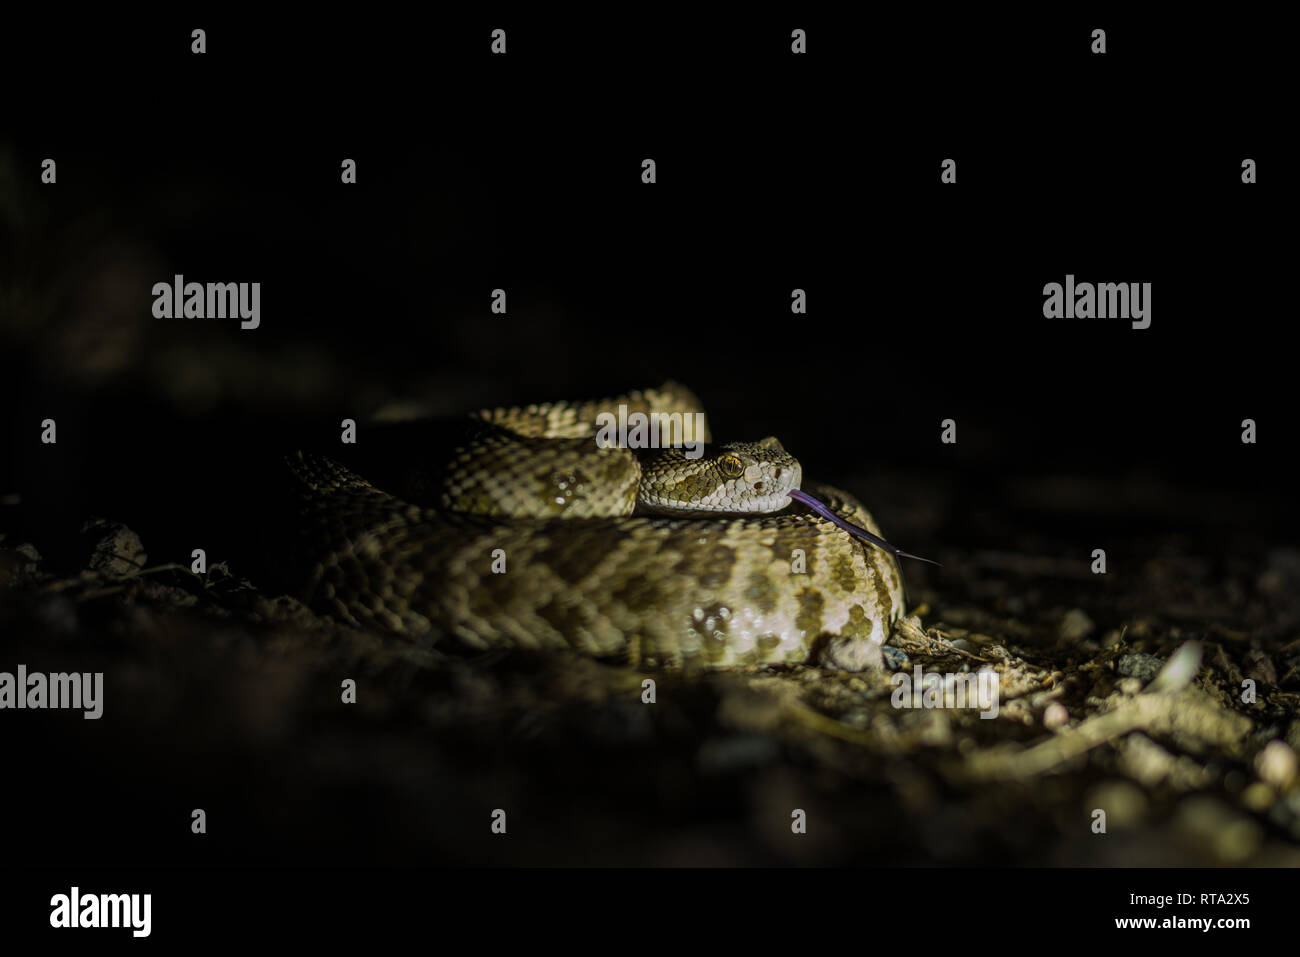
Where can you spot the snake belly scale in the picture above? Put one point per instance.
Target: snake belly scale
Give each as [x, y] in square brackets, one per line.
[521, 532]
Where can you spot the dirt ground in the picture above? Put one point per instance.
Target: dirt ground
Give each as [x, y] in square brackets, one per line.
[1120, 693]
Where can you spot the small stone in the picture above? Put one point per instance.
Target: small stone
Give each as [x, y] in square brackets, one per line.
[117, 550]
[935, 729]
[1075, 626]
[856, 718]
[1190, 775]
[852, 654]
[895, 658]
[1145, 761]
[1276, 764]
[1055, 715]
[1137, 665]
[1139, 628]
[1181, 669]
[1259, 797]
[1124, 803]
[17, 564]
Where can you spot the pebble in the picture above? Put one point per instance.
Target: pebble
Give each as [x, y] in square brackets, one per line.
[117, 551]
[895, 658]
[1124, 803]
[1181, 669]
[1075, 626]
[1258, 797]
[1276, 764]
[1145, 761]
[1055, 715]
[1139, 666]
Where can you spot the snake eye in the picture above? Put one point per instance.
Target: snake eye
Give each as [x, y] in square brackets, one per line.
[731, 467]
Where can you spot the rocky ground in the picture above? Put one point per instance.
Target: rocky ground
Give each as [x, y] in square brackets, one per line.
[1125, 699]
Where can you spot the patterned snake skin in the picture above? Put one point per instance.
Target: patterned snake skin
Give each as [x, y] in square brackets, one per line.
[528, 535]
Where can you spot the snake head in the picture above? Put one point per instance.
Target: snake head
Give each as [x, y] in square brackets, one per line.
[738, 477]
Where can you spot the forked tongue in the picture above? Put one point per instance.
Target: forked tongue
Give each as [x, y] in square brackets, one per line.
[801, 496]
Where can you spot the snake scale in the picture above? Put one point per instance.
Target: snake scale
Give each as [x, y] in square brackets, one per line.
[519, 531]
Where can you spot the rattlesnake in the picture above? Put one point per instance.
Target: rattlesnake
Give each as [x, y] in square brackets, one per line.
[516, 532]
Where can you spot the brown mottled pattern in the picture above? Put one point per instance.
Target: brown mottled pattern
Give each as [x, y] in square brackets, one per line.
[712, 591]
[577, 420]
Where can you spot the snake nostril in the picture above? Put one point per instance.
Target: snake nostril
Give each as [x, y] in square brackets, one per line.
[758, 486]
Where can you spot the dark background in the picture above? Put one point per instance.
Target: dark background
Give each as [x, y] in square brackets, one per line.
[774, 172]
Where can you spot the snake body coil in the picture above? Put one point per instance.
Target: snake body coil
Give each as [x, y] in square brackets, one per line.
[521, 532]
